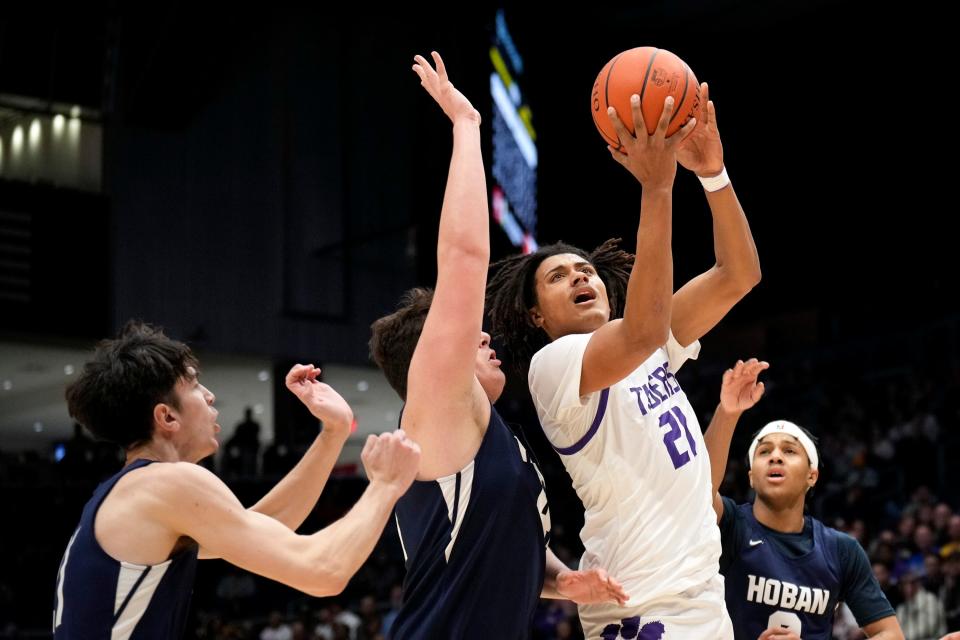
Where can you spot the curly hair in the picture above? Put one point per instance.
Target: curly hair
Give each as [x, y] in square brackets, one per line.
[129, 375]
[511, 293]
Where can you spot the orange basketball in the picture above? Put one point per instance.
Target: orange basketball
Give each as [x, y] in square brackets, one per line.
[653, 74]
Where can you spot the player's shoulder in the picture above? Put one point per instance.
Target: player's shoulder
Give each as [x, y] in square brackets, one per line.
[736, 509]
[733, 513]
[849, 550]
[847, 545]
[562, 346]
[168, 481]
[844, 539]
[169, 470]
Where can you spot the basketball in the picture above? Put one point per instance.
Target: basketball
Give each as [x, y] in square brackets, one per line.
[653, 74]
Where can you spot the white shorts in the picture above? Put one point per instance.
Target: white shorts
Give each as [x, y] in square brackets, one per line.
[696, 614]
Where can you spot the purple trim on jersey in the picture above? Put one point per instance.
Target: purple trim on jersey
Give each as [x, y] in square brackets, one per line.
[582, 442]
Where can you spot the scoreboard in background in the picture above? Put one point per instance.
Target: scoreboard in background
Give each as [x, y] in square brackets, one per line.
[514, 164]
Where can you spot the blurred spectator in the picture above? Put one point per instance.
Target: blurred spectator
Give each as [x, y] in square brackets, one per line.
[920, 614]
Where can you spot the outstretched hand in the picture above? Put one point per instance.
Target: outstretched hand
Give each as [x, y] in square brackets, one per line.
[740, 389]
[438, 85]
[652, 159]
[702, 150]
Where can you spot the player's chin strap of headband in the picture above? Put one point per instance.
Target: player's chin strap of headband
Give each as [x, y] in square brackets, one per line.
[782, 426]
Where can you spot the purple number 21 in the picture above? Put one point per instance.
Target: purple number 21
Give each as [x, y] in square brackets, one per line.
[675, 419]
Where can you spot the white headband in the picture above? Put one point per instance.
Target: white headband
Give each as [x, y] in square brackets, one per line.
[782, 426]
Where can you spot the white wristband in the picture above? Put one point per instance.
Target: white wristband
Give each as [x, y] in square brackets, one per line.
[717, 182]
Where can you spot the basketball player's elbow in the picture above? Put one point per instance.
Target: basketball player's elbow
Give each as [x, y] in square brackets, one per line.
[326, 590]
[750, 278]
[743, 279]
[735, 284]
[745, 285]
[326, 572]
[646, 342]
[649, 334]
[330, 581]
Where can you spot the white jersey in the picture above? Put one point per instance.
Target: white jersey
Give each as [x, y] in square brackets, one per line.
[638, 462]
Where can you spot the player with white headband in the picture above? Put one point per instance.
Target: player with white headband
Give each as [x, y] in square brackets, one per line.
[784, 572]
[800, 435]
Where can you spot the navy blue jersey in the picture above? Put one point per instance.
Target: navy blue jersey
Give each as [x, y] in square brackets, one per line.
[98, 597]
[475, 545]
[793, 580]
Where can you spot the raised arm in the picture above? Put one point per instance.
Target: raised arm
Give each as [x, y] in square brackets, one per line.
[703, 301]
[739, 391]
[446, 409]
[620, 346]
[192, 502]
[293, 498]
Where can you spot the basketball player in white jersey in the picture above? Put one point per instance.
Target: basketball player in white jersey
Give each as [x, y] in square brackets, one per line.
[611, 335]
[475, 524]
